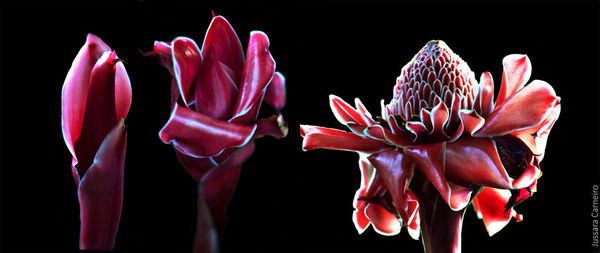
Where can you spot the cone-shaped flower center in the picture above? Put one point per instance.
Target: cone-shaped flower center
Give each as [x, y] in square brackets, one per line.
[434, 75]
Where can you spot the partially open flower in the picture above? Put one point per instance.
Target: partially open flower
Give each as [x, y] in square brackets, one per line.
[96, 96]
[441, 140]
[216, 97]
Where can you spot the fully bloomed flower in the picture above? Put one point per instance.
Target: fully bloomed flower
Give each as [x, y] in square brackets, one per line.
[216, 97]
[96, 97]
[440, 141]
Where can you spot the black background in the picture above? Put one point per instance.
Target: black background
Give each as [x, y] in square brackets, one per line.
[287, 200]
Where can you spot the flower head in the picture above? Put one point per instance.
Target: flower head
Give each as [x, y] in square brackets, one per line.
[440, 141]
[216, 96]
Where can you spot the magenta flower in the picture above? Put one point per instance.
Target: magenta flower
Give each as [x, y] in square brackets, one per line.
[96, 97]
[216, 96]
[443, 142]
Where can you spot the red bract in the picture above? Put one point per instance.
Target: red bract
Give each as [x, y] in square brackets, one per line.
[96, 97]
[216, 97]
[441, 141]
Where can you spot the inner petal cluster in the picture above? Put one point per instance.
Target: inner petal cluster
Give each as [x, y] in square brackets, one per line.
[435, 75]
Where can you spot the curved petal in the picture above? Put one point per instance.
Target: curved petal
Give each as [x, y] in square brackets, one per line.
[122, 91]
[275, 94]
[321, 137]
[486, 94]
[439, 117]
[361, 222]
[100, 113]
[525, 109]
[516, 72]
[215, 90]
[344, 112]
[431, 160]
[164, 52]
[196, 167]
[383, 222]
[101, 193]
[259, 69]
[75, 88]
[377, 132]
[198, 135]
[226, 45]
[396, 170]
[489, 205]
[186, 61]
[274, 126]
[536, 137]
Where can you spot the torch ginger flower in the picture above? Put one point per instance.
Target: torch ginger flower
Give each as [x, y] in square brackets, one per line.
[441, 141]
[96, 97]
[216, 97]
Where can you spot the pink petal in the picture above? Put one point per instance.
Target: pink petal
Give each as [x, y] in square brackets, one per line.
[489, 205]
[259, 69]
[186, 61]
[198, 135]
[226, 45]
[430, 159]
[379, 133]
[525, 109]
[321, 137]
[536, 137]
[439, 117]
[122, 91]
[396, 170]
[516, 72]
[101, 193]
[100, 113]
[383, 222]
[75, 89]
[486, 94]
[361, 222]
[275, 94]
[196, 167]
[215, 89]
[274, 126]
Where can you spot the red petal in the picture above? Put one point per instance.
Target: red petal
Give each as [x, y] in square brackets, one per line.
[321, 137]
[379, 133]
[486, 95]
[258, 72]
[215, 90]
[383, 222]
[198, 135]
[196, 167]
[101, 193]
[476, 161]
[226, 45]
[396, 170]
[75, 89]
[430, 159]
[216, 188]
[100, 113]
[122, 91]
[535, 138]
[344, 112]
[275, 94]
[358, 216]
[186, 61]
[516, 72]
[489, 205]
[439, 116]
[525, 109]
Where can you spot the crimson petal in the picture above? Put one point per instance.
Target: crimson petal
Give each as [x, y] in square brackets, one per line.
[275, 94]
[396, 170]
[431, 160]
[361, 222]
[164, 52]
[226, 45]
[75, 89]
[383, 222]
[486, 94]
[215, 89]
[258, 72]
[321, 137]
[186, 61]
[198, 135]
[274, 126]
[101, 192]
[122, 91]
[525, 109]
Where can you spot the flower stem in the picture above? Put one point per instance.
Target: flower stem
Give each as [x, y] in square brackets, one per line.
[440, 226]
[206, 239]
